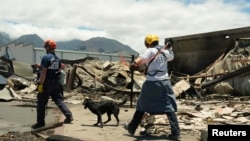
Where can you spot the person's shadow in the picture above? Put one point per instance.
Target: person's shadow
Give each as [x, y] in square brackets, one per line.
[149, 137]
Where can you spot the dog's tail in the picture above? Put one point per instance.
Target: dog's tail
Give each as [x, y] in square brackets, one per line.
[120, 103]
[124, 100]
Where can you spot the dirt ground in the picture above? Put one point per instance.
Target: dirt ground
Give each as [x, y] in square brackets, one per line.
[81, 128]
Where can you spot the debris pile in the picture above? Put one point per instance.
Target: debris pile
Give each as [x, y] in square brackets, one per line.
[233, 69]
[229, 74]
[87, 76]
[195, 116]
[217, 95]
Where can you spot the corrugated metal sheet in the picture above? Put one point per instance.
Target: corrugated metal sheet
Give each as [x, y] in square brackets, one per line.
[23, 69]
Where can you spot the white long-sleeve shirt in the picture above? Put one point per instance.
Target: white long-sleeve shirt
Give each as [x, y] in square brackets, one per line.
[158, 68]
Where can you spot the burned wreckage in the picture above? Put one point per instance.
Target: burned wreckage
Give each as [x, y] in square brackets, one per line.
[210, 68]
[228, 74]
[214, 63]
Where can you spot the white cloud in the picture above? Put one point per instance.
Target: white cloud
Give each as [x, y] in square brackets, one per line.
[127, 21]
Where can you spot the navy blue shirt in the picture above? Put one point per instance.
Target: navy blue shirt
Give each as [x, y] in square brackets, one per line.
[52, 63]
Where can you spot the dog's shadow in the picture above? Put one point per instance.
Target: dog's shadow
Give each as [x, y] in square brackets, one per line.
[91, 125]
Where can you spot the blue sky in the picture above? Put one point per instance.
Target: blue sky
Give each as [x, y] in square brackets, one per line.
[127, 21]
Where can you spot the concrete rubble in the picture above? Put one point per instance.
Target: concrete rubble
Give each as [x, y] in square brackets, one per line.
[217, 95]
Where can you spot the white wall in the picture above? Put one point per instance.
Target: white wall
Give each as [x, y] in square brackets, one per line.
[30, 55]
[21, 52]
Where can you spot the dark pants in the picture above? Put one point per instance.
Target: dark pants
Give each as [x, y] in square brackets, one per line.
[172, 118]
[173, 121]
[51, 89]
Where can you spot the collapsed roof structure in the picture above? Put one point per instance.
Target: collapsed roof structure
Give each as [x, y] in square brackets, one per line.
[213, 76]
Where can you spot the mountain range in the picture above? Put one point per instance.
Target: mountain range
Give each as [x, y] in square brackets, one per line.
[96, 44]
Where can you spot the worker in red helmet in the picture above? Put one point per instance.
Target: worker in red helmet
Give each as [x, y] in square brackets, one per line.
[49, 85]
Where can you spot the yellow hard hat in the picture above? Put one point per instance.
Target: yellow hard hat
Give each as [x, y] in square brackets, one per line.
[150, 38]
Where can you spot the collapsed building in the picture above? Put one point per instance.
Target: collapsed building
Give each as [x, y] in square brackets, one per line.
[206, 62]
[209, 76]
[213, 62]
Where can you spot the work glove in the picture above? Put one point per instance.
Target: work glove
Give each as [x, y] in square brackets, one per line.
[133, 66]
[169, 43]
[40, 88]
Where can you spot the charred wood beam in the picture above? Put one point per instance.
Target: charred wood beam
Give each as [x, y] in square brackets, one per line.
[67, 87]
[77, 61]
[202, 76]
[120, 90]
[225, 77]
[47, 127]
[78, 80]
[70, 79]
[215, 102]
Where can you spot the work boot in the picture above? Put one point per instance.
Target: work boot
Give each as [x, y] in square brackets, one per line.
[68, 120]
[128, 127]
[174, 137]
[37, 125]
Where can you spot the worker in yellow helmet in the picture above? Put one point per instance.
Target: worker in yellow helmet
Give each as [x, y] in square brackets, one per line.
[157, 95]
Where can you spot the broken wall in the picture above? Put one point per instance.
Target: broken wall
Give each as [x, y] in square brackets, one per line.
[235, 59]
[194, 53]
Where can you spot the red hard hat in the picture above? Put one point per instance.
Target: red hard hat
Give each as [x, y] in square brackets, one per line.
[50, 43]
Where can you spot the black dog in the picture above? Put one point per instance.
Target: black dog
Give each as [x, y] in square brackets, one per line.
[102, 107]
